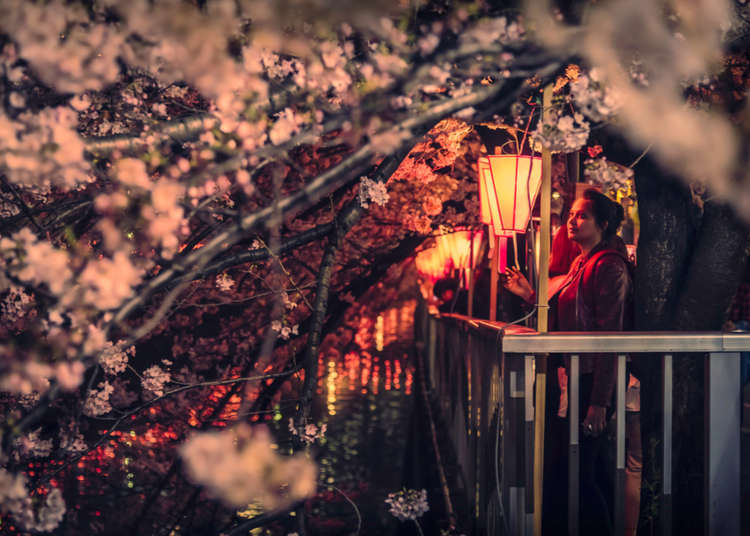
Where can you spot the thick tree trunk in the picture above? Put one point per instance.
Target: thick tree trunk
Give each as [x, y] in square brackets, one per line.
[717, 263]
[688, 270]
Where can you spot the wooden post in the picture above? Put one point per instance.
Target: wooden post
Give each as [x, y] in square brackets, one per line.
[542, 318]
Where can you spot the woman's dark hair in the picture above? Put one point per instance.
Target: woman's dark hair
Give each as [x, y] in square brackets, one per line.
[608, 215]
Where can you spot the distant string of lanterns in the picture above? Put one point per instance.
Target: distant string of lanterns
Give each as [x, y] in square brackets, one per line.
[453, 250]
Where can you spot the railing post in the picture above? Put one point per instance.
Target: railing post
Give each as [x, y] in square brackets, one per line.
[620, 447]
[514, 453]
[529, 429]
[574, 496]
[722, 440]
[666, 490]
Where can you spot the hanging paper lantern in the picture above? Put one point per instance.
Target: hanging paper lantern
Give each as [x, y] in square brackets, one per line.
[515, 181]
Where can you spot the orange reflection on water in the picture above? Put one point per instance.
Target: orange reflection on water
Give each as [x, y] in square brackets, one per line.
[387, 375]
[347, 366]
[331, 388]
[379, 333]
[375, 377]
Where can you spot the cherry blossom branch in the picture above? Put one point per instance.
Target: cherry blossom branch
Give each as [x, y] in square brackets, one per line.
[164, 306]
[255, 297]
[324, 184]
[261, 254]
[178, 390]
[288, 275]
[181, 129]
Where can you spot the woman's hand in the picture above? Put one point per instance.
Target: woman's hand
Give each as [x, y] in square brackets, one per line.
[515, 282]
[593, 424]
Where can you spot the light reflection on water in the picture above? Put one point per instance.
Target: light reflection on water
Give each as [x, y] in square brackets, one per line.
[364, 396]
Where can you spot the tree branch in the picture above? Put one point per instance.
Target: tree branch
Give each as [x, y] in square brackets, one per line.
[324, 184]
[351, 215]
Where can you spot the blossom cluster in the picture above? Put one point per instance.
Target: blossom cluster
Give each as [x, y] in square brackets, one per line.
[16, 303]
[562, 133]
[32, 377]
[407, 504]
[154, 380]
[97, 403]
[284, 331]
[308, 433]
[609, 176]
[371, 191]
[43, 149]
[32, 445]
[114, 357]
[241, 465]
[37, 262]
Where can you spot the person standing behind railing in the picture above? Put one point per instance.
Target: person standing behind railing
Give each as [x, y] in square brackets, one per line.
[595, 295]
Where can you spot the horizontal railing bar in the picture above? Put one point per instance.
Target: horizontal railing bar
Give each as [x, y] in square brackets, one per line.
[522, 340]
[625, 342]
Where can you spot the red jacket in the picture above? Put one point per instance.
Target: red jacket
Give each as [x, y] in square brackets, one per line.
[597, 295]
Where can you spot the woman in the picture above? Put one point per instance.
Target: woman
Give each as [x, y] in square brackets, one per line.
[595, 295]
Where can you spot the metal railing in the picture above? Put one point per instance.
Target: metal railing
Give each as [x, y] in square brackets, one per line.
[483, 375]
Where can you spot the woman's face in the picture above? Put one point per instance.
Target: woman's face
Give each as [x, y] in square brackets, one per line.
[582, 227]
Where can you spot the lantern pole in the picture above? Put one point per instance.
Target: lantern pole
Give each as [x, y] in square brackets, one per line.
[542, 318]
[470, 282]
[494, 265]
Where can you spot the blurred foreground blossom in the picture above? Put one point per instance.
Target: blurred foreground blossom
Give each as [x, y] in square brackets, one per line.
[597, 101]
[241, 465]
[408, 504]
[15, 500]
[605, 174]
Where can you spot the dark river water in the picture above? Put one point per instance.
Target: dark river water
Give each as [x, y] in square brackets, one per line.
[365, 397]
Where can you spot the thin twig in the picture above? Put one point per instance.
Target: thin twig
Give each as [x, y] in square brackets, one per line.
[644, 153]
[356, 510]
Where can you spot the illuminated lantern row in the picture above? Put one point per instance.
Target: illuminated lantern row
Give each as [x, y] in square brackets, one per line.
[463, 253]
[430, 263]
[452, 251]
[508, 187]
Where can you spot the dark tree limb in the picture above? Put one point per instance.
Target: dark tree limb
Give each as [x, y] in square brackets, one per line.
[21, 204]
[350, 216]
